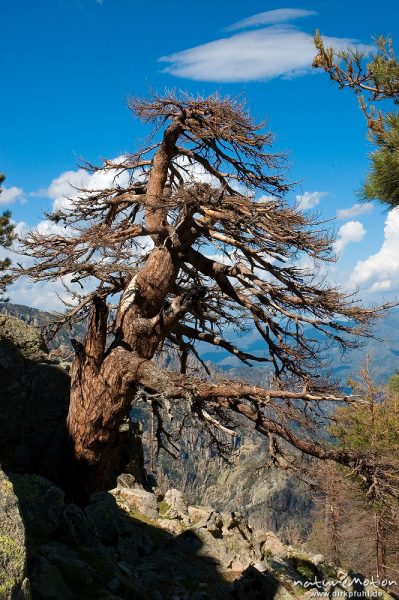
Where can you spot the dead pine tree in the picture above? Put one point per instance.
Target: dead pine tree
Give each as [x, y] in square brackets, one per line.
[198, 244]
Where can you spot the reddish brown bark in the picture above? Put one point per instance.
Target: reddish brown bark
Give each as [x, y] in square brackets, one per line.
[104, 383]
[100, 396]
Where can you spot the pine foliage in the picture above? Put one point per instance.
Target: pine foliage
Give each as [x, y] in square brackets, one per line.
[6, 237]
[374, 77]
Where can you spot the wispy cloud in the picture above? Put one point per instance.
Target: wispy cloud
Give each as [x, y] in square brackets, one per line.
[354, 211]
[271, 17]
[278, 50]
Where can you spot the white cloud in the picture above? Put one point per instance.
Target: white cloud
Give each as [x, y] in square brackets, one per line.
[309, 199]
[66, 186]
[270, 17]
[50, 228]
[354, 211]
[352, 231]
[380, 271]
[192, 171]
[274, 51]
[381, 286]
[46, 294]
[11, 195]
[21, 228]
[219, 257]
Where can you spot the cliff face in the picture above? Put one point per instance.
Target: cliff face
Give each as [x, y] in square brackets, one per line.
[34, 399]
[268, 497]
[246, 482]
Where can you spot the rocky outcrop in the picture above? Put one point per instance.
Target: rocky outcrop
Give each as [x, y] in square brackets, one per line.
[13, 582]
[43, 320]
[28, 339]
[129, 545]
[34, 399]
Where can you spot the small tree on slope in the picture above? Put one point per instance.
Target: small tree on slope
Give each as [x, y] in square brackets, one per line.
[351, 527]
[189, 259]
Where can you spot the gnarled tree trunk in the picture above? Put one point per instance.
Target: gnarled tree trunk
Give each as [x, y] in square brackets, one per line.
[104, 381]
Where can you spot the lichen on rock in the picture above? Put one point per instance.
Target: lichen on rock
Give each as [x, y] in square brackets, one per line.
[12, 544]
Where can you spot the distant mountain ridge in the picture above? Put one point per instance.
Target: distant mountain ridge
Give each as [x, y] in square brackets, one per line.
[383, 349]
[42, 320]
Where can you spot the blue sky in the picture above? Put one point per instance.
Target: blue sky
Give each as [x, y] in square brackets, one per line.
[68, 66]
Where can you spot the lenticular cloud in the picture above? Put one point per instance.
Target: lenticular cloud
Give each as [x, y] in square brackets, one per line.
[278, 50]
